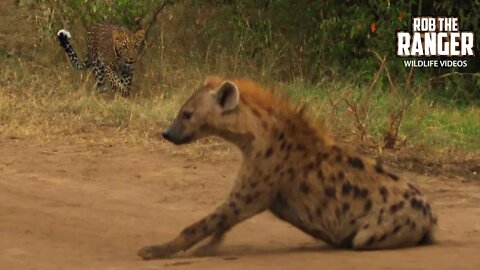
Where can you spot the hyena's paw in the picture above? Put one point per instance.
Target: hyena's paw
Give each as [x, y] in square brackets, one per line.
[156, 252]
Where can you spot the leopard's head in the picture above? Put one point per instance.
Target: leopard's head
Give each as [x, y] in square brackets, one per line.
[126, 44]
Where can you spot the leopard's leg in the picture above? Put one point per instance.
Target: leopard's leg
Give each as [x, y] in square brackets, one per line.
[241, 205]
[127, 76]
[114, 81]
[63, 37]
[99, 73]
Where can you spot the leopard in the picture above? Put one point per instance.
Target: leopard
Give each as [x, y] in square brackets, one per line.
[294, 168]
[111, 52]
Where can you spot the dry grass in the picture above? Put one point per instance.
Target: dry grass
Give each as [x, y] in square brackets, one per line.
[43, 98]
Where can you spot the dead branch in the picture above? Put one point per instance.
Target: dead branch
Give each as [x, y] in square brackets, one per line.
[148, 22]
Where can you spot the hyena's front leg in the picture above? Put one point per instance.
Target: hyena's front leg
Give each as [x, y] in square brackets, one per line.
[241, 205]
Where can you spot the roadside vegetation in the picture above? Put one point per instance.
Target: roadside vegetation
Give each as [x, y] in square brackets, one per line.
[336, 58]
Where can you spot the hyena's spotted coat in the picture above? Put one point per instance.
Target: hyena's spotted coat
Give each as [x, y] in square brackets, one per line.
[293, 169]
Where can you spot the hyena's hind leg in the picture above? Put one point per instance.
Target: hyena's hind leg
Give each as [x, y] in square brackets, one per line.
[394, 231]
[63, 37]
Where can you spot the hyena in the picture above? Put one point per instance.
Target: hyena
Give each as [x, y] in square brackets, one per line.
[294, 169]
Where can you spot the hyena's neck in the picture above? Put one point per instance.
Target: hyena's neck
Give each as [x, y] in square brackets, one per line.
[253, 135]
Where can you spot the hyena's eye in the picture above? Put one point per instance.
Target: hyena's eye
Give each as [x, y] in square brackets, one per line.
[186, 115]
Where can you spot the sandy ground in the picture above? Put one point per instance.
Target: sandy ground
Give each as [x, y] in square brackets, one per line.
[91, 206]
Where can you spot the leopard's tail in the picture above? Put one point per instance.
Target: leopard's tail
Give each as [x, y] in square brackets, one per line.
[63, 37]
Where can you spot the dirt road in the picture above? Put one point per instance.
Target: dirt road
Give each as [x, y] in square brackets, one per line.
[91, 206]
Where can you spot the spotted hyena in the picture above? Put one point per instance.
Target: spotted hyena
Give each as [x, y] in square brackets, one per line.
[292, 168]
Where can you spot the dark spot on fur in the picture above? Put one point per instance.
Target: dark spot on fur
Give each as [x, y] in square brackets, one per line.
[248, 199]
[353, 221]
[311, 166]
[408, 221]
[382, 238]
[366, 226]
[345, 207]
[320, 175]
[330, 191]
[371, 240]
[281, 136]
[384, 193]
[397, 229]
[236, 211]
[416, 204]
[368, 205]
[289, 147]
[221, 225]
[232, 205]
[338, 158]
[318, 211]
[360, 192]
[304, 187]
[301, 147]
[333, 178]
[291, 171]
[379, 168]
[205, 228]
[277, 168]
[356, 191]
[413, 225]
[269, 152]
[380, 217]
[346, 188]
[253, 184]
[393, 176]
[282, 146]
[400, 205]
[393, 208]
[341, 175]
[406, 195]
[356, 163]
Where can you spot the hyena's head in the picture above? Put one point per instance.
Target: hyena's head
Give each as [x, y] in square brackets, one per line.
[213, 109]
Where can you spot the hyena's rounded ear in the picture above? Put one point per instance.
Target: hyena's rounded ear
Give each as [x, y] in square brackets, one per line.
[227, 96]
[213, 82]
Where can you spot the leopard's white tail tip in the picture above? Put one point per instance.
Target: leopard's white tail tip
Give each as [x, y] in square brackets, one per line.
[64, 32]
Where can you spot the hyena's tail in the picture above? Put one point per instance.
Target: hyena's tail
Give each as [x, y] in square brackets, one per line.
[63, 37]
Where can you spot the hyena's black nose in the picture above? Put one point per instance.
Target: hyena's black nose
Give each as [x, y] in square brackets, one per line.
[166, 135]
